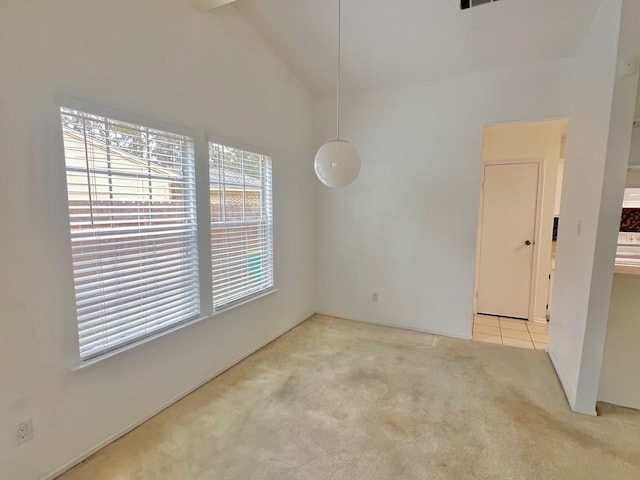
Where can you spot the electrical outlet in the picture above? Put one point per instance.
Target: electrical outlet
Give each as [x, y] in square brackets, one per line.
[375, 296]
[24, 432]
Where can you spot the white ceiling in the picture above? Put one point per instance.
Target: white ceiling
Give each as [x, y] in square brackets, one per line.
[396, 42]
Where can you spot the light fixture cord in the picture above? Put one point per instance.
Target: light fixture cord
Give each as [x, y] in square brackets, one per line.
[338, 69]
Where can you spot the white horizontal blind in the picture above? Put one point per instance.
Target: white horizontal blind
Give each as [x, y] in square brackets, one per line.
[132, 212]
[241, 223]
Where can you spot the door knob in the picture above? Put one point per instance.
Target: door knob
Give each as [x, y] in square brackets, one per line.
[528, 242]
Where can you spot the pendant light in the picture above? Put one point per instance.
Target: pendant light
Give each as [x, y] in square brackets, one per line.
[337, 163]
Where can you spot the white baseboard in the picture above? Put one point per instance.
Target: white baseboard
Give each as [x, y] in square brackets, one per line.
[568, 391]
[402, 327]
[112, 438]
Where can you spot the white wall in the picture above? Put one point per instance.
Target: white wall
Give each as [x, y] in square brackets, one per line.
[621, 362]
[558, 195]
[635, 147]
[167, 61]
[635, 139]
[407, 226]
[598, 149]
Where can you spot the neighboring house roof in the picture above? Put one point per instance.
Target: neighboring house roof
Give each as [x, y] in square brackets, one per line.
[234, 180]
[103, 148]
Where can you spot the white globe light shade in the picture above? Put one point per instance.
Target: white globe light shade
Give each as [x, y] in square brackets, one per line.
[337, 163]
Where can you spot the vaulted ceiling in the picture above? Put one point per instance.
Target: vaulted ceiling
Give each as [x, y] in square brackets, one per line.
[396, 42]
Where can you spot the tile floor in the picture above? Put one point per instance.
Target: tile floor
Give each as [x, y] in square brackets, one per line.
[507, 331]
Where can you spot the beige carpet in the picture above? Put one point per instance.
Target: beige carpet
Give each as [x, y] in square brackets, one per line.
[341, 400]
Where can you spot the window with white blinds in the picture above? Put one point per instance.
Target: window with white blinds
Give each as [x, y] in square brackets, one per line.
[241, 224]
[132, 211]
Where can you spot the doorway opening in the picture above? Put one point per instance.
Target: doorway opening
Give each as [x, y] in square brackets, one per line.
[521, 182]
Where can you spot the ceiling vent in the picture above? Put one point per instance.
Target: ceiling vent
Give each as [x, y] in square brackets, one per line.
[464, 4]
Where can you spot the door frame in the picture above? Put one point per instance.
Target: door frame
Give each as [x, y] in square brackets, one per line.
[535, 257]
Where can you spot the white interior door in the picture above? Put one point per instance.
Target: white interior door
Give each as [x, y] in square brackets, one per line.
[509, 205]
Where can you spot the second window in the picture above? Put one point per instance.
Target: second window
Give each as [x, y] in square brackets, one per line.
[241, 224]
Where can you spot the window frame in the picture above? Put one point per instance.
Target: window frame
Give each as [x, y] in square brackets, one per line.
[203, 223]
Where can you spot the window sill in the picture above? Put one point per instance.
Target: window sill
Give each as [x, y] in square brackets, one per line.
[626, 269]
[244, 301]
[92, 361]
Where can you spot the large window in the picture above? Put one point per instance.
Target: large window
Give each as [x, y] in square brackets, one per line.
[136, 223]
[241, 224]
[132, 210]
